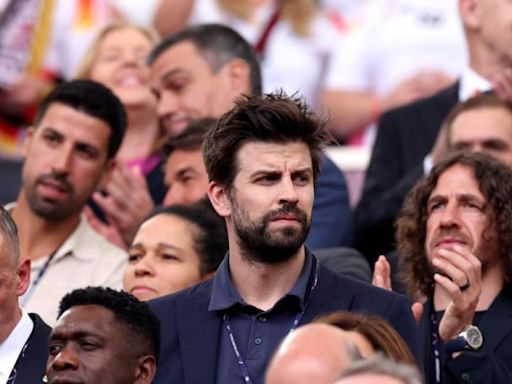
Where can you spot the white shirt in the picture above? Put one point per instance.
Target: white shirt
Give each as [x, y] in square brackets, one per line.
[472, 82]
[12, 347]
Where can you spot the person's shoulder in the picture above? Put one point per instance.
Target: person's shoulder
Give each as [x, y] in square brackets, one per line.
[444, 97]
[362, 292]
[94, 242]
[198, 294]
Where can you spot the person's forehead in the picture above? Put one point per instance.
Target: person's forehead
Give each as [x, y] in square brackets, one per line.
[255, 155]
[457, 180]
[86, 319]
[481, 123]
[73, 122]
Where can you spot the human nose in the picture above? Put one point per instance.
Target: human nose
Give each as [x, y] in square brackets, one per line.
[449, 216]
[288, 191]
[62, 159]
[173, 196]
[167, 104]
[65, 359]
[144, 267]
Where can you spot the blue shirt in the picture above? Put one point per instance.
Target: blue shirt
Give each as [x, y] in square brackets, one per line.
[257, 333]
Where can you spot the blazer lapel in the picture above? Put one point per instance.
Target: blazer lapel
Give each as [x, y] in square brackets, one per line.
[326, 297]
[199, 331]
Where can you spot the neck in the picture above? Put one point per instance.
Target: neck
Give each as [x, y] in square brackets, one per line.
[485, 63]
[141, 133]
[262, 285]
[38, 236]
[492, 284]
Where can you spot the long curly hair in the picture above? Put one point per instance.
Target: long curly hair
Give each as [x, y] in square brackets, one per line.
[494, 180]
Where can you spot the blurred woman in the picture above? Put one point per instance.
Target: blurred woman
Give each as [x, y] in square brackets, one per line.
[371, 334]
[116, 59]
[175, 247]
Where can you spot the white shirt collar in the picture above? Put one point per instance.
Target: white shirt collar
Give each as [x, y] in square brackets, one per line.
[11, 348]
[472, 82]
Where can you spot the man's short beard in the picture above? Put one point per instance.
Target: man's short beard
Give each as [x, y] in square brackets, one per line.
[258, 244]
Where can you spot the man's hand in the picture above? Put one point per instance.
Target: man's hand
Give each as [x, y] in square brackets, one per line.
[382, 279]
[460, 277]
[502, 84]
[127, 201]
[382, 273]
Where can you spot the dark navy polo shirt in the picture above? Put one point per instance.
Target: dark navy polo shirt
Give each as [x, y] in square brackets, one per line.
[257, 333]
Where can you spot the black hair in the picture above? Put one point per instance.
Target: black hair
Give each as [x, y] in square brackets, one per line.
[143, 325]
[211, 239]
[93, 99]
[218, 44]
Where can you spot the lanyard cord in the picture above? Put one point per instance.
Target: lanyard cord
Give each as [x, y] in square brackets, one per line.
[244, 370]
[435, 341]
[38, 278]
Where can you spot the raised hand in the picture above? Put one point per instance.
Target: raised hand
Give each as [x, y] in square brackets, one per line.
[460, 277]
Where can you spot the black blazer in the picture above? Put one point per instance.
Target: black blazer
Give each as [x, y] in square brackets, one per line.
[190, 333]
[493, 362]
[31, 366]
[405, 136]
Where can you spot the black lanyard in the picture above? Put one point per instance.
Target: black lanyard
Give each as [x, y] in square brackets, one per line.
[39, 277]
[435, 345]
[244, 370]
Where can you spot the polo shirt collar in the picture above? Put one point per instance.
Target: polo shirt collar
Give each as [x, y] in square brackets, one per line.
[224, 294]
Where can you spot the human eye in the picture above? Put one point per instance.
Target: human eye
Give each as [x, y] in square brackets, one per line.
[54, 348]
[434, 206]
[302, 179]
[88, 344]
[87, 151]
[168, 256]
[134, 256]
[266, 178]
[176, 84]
[52, 138]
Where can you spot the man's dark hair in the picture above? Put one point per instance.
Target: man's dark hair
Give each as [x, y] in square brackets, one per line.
[494, 181]
[218, 44]
[271, 118]
[143, 325]
[94, 100]
[9, 233]
[191, 138]
[210, 241]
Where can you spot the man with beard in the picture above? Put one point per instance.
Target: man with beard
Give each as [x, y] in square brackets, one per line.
[262, 160]
[77, 131]
[455, 235]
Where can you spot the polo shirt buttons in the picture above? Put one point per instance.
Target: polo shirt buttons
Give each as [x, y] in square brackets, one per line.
[257, 341]
[466, 377]
[263, 319]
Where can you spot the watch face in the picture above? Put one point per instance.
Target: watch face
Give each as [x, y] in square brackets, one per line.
[474, 337]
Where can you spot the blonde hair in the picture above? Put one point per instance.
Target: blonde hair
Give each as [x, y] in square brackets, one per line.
[86, 63]
[299, 13]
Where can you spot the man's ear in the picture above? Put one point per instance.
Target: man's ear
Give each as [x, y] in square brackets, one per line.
[469, 13]
[238, 73]
[107, 172]
[219, 199]
[22, 277]
[146, 368]
[28, 141]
